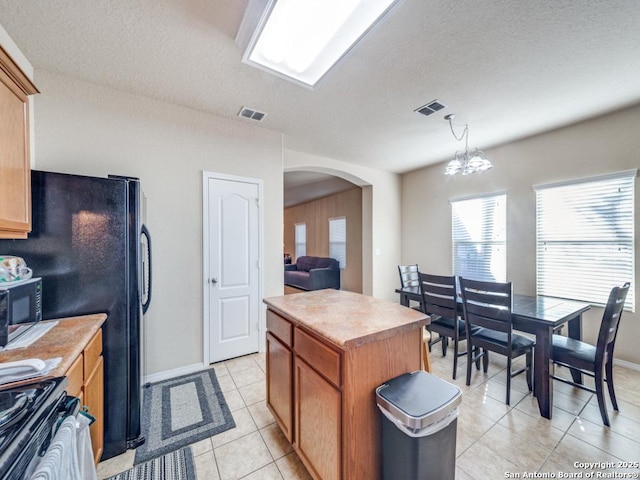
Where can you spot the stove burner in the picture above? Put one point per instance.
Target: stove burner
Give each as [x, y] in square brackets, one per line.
[13, 406]
[17, 406]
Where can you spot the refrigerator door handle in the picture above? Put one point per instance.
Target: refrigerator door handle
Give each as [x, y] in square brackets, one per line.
[145, 240]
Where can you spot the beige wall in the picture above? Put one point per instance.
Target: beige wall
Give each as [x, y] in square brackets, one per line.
[87, 129]
[316, 216]
[605, 144]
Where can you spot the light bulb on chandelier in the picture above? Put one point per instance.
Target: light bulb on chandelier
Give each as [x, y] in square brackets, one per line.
[467, 161]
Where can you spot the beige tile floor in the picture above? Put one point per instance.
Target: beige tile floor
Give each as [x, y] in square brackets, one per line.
[493, 440]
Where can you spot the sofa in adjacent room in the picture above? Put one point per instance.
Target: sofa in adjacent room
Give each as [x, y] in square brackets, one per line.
[313, 273]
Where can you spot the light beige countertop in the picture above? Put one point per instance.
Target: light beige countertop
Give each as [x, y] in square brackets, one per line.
[346, 319]
[67, 340]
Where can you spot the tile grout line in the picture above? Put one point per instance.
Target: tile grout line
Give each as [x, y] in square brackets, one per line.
[565, 433]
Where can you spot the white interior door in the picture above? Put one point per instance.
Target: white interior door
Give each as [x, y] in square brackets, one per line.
[233, 268]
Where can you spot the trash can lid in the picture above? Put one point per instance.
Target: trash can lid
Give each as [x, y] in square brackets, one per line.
[418, 399]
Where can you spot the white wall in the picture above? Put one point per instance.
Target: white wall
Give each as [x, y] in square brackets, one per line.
[605, 144]
[380, 218]
[87, 129]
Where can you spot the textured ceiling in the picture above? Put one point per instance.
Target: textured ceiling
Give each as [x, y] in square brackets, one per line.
[508, 68]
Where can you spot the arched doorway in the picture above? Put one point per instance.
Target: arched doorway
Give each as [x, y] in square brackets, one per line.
[316, 197]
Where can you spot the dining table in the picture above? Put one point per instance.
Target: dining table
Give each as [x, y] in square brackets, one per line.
[538, 315]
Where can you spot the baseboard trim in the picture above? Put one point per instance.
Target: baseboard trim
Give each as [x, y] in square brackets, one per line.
[176, 372]
[625, 364]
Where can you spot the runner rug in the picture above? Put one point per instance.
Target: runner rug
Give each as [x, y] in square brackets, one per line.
[176, 465]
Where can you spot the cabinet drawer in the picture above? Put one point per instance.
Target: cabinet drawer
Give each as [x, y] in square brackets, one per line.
[75, 377]
[318, 355]
[92, 351]
[279, 327]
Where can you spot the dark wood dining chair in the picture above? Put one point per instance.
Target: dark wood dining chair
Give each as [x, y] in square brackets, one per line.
[595, 361]
[410, 277]
[486, 310]
[440, 303]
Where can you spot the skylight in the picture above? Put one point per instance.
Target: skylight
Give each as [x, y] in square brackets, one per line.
[302, 40]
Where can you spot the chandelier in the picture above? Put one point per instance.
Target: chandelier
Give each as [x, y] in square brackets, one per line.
[467, 161]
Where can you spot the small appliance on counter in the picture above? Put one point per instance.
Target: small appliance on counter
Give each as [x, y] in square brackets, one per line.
[20, 308]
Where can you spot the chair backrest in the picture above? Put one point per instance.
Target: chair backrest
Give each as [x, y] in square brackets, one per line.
[409, 275]
[439, 295]
[611, 320]
[486, 304]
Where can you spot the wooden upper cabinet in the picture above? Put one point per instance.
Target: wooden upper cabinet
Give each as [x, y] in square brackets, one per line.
[15, 161]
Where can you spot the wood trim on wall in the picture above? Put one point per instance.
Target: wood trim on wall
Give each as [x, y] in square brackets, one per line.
[316, 216]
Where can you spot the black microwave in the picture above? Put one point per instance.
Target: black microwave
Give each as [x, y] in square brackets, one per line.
[20, 308]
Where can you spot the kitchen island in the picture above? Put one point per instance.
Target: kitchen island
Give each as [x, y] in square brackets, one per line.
[327, 351]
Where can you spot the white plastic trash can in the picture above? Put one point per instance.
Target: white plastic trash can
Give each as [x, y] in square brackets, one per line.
[419, 420]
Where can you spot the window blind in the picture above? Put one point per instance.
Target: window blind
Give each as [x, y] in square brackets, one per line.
[301, 239]
[479, 237]
[338, 240]
[585, 243]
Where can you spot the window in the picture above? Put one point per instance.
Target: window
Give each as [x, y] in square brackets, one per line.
[301, 239]
[585, 237]
[338, 240]
[479, 237]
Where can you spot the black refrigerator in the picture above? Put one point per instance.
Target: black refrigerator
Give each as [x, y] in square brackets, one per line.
[92, 251]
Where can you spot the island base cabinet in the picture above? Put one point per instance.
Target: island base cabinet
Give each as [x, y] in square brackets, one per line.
[322, 394]
[317, 423]
[279, 386]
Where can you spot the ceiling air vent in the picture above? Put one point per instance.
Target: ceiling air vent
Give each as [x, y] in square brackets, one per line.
[251, 114]
[430, 108]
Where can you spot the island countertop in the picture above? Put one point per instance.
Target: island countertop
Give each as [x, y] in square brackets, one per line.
[346, 319]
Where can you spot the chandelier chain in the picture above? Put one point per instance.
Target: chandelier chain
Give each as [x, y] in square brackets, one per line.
[465, 132]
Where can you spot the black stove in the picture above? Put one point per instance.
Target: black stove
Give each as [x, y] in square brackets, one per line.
[28, 417]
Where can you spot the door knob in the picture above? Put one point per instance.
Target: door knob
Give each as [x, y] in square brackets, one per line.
[214, 280]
